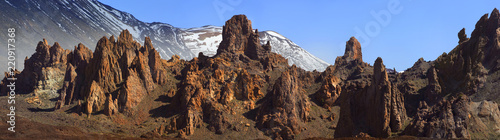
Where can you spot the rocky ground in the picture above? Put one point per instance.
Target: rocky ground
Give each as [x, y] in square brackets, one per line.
[125, 90]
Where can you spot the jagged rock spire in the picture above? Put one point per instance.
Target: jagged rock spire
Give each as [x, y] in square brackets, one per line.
[353, 50]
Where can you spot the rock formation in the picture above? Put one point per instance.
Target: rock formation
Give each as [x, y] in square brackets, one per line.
[45, 70]
[239, 38]
[455, 80]
[286, 110]
[467, 65]
[246, 88]
[433, 92]
[447, 119]
[462, 36]
[235, 75]
[329, 91]
[374, 109]
[124, 69]
[353, 50]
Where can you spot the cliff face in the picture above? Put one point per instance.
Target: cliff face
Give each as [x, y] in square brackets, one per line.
[371, 106]
[457, 82]
[245, 89]
[466, 67]
[286, 109]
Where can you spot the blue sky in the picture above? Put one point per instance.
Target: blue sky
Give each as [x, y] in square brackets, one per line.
[415, 28]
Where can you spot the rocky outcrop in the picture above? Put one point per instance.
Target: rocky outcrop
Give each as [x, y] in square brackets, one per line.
[74, 76]
[124, 69]
[485, 117]
[446, 109]
[466, 67]
[329, 91]
[209, 86]
[462, 36]
[433, 93]
[44, 71]
[238, 37]
[353, 50]
[188, 100]
[68, 76]
[248, 86]
[274, 61]
[446, 119]
[286, 108]
[68, 87]
[376, 110]
[351, 65]
[245, 87]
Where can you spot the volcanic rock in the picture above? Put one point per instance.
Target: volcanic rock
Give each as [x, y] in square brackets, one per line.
[238, 37]
[462, 36]
[447, 119]
[466, 67]
[44, 71]
[433, 89]
[248, 85]
[374, 109]
[485, 116]
[110, 105]
[124, 69]
[68, 87]
[353, 50]
[285, 109]
[329, 91]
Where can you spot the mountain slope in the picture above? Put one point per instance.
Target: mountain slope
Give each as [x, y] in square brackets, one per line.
[291, 51]
[73, 22]
[82, 21]
[206, 39]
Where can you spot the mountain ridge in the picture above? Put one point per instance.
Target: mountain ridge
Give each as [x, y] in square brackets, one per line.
[85, 22]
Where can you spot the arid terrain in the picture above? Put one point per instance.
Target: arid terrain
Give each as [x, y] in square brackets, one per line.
[125, 90]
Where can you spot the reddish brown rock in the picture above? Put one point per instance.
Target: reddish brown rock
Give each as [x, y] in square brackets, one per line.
[218, 119]
[433, 93]
[104, 68]
[79, 58]
[329, 91]
[227, 94]
[353, 50]
[124, 69]
[189, 100]
[274, 61]
[446, 119]
[379, 105]
[374, 109]
[466, 67]
[110, 106]
[44, 71]
[96, 100]
[248, 86]
[68, 88]
[132, 93]
[158, 73]
[285, 111]
[238, 37]
[485, 119]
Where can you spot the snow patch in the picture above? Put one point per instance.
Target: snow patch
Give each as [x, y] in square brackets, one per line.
[273, 33]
